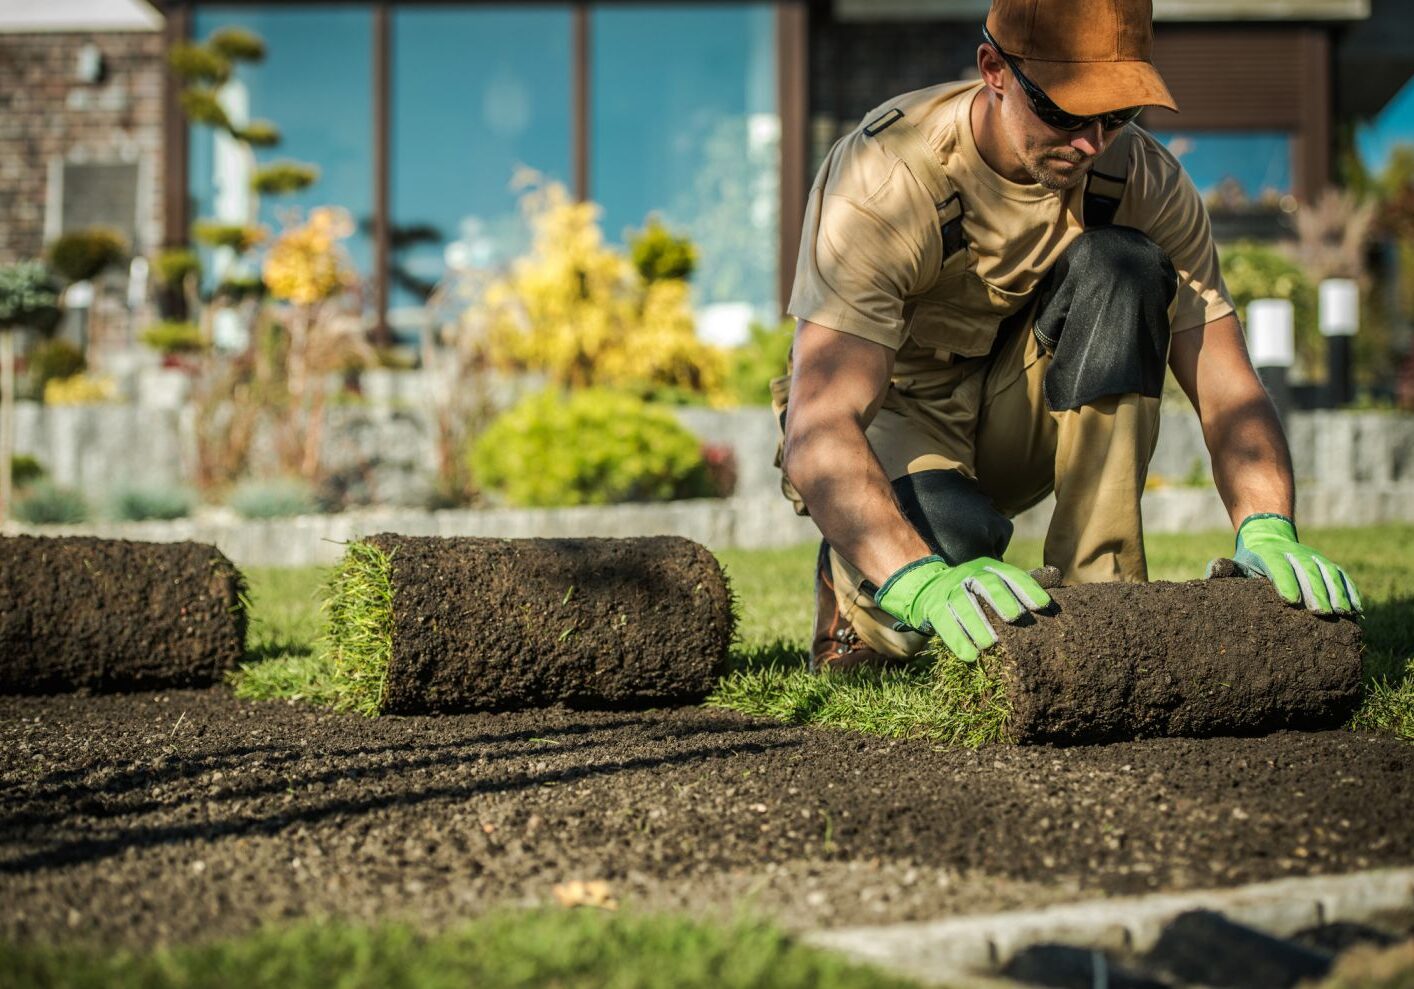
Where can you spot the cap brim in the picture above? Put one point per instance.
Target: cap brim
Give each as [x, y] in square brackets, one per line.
[1089, 88]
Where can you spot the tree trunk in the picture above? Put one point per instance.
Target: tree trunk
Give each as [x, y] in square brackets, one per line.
[7, 418]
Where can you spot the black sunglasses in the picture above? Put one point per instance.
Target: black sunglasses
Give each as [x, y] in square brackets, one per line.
[1052, 115]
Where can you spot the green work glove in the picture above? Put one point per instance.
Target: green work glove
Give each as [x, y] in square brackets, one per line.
[934, 598]
[1267, 545]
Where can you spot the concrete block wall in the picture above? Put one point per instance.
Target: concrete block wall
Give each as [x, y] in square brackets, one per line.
[98, 448]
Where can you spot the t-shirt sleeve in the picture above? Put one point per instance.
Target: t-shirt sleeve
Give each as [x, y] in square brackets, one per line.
[855, 268]
[1174, 217]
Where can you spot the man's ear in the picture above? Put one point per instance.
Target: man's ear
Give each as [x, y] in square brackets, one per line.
[991, 67]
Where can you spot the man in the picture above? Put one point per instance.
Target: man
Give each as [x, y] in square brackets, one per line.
[992, 279]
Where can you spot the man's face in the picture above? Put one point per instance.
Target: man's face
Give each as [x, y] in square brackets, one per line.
[1055, 159]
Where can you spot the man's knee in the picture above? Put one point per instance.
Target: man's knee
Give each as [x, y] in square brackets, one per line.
[955, 519]
[1119, 258]
[1103, 314]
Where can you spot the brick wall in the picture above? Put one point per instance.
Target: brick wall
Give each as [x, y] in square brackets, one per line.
[47, 114]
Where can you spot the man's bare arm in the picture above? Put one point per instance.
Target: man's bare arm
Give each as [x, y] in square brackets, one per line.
[1251, 460]
[837, 384]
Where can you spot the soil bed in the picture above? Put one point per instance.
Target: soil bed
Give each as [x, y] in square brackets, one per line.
[155, 817]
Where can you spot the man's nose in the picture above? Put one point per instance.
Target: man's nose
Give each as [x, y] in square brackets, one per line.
[1090, 141]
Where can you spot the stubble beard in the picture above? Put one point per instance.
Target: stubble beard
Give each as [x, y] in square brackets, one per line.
[1041, 166]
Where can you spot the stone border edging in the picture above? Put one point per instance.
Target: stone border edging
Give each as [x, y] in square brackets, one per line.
[967, 947]
[754, 521]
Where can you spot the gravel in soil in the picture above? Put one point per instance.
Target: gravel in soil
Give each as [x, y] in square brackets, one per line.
[157, 817]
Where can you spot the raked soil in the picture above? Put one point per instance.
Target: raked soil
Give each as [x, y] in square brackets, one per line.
[187, 814]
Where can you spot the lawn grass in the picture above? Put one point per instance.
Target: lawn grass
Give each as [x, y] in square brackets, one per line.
[580, 948]
[944, 701]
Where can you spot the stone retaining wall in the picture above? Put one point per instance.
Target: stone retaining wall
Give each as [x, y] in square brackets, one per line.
[747, 522]
[102, 447]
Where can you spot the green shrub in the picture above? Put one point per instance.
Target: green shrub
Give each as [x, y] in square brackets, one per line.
[28, 296]
[202, 107]
[53, 360]
[49, 504]
[138, 504]
[198, 63]
[272, 499]
[283, 177]
[172, 265]
[659, 254]
[83, 254]
[233, 235]
[1257, 271]
[593, 447]
[258, 133]
[762, 357]
[237, 44]
[25, 470]
[174, 337]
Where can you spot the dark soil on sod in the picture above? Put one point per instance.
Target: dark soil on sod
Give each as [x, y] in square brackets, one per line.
[514, 623]
[114, 614]
[152, 817]
[1203, 657]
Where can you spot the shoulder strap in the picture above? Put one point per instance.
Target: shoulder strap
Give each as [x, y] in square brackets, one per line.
[892, 131]
[1104, 186]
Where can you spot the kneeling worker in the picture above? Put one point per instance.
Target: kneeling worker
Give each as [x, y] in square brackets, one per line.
[993, 278]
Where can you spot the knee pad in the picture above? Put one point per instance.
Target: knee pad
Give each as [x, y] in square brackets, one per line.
[955, 519]
[1102, 312]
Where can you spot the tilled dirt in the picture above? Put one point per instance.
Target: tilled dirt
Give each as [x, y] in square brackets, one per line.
[1203, 657]
[155, 817]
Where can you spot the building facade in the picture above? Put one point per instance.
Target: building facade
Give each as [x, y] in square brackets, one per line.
[422, 116]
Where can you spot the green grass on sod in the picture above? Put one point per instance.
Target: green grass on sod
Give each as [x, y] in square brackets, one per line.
[578, 948]
[948, 702]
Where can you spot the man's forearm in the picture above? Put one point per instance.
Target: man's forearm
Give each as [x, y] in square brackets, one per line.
[849, 496]
[1251, 459]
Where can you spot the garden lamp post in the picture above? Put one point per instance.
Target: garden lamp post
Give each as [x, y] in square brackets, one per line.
[1271, 340]
[1339, 318]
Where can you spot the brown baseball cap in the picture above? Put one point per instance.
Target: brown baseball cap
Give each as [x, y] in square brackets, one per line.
[1090, 56]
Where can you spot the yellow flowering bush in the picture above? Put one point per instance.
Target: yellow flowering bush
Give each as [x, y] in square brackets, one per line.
[307, 263]
[80, 389]
[581, 312]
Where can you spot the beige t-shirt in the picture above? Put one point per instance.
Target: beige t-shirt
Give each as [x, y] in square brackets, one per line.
[871, 255]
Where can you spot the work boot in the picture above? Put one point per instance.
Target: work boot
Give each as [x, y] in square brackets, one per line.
[835, 645]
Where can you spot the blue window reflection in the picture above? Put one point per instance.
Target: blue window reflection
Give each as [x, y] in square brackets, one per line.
[476, 94]
[683, 122]
[1234, 170]
[316, 85]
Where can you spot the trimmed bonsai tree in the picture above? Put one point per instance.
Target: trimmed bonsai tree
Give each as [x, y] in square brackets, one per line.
[29, 299]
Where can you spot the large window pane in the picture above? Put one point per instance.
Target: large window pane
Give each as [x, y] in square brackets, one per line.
[684, 123]
[316, 85]
[477, 93]
[1234, 170]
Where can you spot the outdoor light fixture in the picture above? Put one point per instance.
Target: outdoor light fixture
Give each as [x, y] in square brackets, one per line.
[90, 64]
[1339, 319]
[1271, 340]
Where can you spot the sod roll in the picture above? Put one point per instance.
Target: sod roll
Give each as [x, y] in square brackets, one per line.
[428, 624]
[1207, 657]
[113, 614]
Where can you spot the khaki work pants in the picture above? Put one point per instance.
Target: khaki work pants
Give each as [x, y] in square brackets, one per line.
[991, 423]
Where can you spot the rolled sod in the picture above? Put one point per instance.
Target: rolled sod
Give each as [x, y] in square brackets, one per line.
[113, 614]
[429, 624]
[1206, 657]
